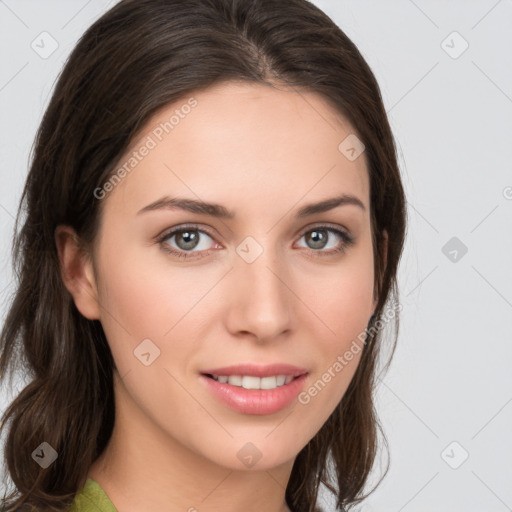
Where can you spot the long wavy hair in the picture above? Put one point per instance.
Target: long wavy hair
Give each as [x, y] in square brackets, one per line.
[137, 58]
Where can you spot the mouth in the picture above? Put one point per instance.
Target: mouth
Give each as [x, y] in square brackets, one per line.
[254, 382]
[251, 394]
[252, 376]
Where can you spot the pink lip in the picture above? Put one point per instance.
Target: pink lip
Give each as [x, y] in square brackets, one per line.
[255, 401]
[257, 370]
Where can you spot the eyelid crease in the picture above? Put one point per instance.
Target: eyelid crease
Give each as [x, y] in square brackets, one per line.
[347, 237]
[182, 227]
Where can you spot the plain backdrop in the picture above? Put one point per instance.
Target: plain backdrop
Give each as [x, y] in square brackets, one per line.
[446, 78]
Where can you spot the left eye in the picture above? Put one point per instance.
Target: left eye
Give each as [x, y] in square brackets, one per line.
[320, 235]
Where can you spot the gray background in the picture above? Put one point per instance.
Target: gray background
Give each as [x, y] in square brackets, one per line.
[448, 393]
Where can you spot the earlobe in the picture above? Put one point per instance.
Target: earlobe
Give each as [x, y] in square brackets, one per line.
[77, 272]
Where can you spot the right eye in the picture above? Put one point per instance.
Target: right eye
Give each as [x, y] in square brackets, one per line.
[187, 238]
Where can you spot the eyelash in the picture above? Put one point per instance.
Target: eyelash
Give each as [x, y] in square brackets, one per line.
[347, 241]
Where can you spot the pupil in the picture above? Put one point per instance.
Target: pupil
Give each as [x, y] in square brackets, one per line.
[188, 244]
[319, 238]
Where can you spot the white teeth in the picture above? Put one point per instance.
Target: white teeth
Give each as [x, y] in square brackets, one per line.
[250, 382]
[235, 380]
[268, 382]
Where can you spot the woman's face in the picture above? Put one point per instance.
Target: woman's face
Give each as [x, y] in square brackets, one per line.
[261, 286]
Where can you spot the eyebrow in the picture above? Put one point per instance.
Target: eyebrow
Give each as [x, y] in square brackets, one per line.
[217, 210]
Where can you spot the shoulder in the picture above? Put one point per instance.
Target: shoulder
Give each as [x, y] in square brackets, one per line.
[92, 498]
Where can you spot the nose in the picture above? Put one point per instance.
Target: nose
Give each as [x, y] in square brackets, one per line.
[260, 301]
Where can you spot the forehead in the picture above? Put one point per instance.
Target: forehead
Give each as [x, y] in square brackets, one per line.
[241, 143]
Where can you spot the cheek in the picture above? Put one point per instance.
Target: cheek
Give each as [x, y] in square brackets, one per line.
[341, 306]
[147, 298]
[340, 297]
[132, 298]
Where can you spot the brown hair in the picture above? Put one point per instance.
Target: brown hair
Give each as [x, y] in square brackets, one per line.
[137, 58]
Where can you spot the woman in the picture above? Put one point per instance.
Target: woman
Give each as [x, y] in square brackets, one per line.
[214, 222]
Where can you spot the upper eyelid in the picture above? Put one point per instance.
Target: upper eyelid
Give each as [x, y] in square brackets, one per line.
[172, 231]
[328, 225]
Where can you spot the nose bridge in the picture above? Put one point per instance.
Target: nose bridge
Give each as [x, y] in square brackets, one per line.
[261, 299]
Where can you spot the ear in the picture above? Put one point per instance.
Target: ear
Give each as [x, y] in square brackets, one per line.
[385, 258]
[77, 272]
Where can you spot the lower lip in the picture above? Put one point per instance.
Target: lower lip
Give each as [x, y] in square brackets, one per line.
[255, 401]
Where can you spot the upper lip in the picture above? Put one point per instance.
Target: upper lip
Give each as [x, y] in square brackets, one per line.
[258, 370]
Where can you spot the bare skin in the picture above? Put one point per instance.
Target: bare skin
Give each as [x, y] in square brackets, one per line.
[263, 154]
